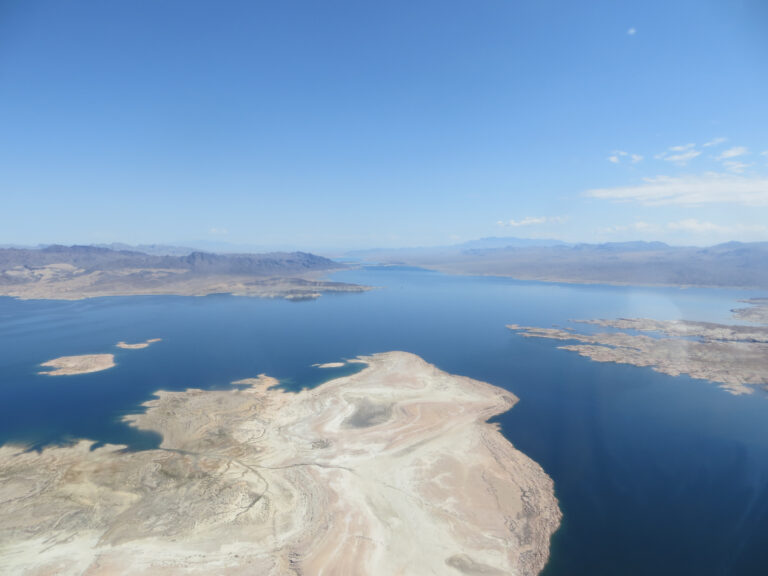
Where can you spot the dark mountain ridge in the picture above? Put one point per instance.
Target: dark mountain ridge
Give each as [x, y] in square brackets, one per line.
[75, 272]
[93, 258]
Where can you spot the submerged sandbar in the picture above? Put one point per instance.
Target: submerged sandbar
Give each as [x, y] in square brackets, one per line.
[392, 470]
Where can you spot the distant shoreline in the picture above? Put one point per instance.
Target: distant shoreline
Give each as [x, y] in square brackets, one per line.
[555, 280]
[733, 356]
[80, 272]
[728, 265]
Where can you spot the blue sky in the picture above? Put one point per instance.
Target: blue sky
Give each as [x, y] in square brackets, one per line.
[349, 124]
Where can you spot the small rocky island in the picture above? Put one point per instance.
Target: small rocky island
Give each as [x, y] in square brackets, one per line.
[87, 363]
[81, 364]
[392, 470]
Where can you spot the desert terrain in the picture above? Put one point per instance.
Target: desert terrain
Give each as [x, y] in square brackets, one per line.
[393, 470]
[734, 356]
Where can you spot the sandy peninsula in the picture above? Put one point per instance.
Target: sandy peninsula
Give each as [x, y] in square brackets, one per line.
[83, 364]
[138, 345]
[734, 356]
[393, 470]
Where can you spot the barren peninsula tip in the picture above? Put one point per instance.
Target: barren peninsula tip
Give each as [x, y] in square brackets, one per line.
[392, 470]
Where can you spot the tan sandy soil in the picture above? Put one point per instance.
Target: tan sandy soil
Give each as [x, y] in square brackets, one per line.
[734, 356]
[391, 471]
[757, 311]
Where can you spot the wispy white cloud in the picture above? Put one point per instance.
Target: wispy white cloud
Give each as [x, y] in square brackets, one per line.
[631, 32]
[687, 226]
[681, 154]
[714, 142]
[532, 221]
[527, 221]
[214, 231]
[735, 166]
[695, 226]
[618, 155]
[683, 158]
[639, 226]
[690, 190]
[733, 152]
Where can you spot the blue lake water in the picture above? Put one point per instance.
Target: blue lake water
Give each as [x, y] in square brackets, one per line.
[655, 474]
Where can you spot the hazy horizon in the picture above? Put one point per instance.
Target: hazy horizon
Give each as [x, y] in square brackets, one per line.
[223, 247]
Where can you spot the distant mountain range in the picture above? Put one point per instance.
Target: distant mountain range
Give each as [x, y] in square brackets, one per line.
[154, 249]
[94, 258]
[488, 243]
[82, 271]
[733, 264]
[508, 242]
[85, 271]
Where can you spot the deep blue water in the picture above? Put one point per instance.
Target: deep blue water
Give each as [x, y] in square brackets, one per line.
[655, 474]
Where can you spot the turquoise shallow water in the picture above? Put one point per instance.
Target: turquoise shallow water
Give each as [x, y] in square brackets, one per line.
[656, 475]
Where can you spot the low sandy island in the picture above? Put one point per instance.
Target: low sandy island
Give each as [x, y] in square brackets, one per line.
[735, 356]
[330, 365]
[138, 345]
[393, 470]
[84, 364]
